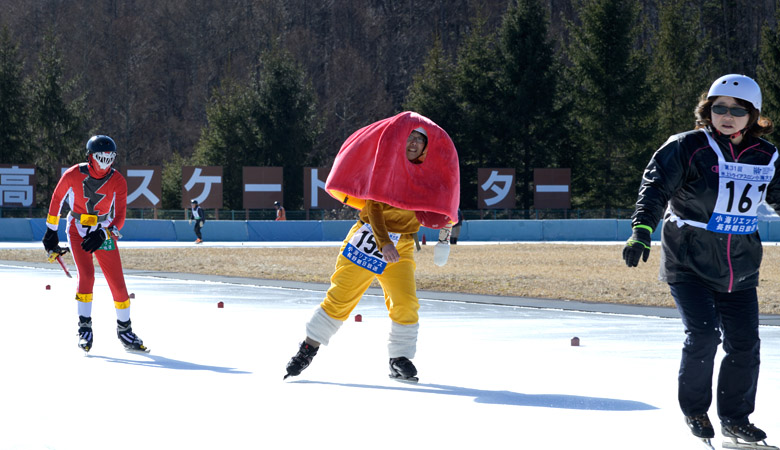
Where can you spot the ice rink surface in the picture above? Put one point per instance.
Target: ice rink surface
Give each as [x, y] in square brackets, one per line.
[491, 377]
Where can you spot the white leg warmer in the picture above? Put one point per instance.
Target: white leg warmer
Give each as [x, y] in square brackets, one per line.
[321, 327]
[403, 340]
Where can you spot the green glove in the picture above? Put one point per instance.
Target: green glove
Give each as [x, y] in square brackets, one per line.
[637, 245]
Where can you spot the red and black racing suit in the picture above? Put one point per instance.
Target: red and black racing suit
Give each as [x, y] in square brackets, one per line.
[93, 202]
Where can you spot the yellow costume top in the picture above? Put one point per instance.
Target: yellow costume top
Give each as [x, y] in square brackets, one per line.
[385, 219]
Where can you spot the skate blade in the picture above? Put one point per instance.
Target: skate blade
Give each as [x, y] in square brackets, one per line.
[86, 348]
[410, 380]
[143, 349]
[707, 442]
[737, 444]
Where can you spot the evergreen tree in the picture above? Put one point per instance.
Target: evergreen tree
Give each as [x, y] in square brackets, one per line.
[230, 139]
[271, 122]
[476, 88]
[432, 92]
[13, 104]
[59, 132]
[529, 121]
[611, 104]
[171, 181]
[769, 69]
[680, 68]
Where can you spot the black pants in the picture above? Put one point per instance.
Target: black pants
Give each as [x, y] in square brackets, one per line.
[198, 226]
[705, 313]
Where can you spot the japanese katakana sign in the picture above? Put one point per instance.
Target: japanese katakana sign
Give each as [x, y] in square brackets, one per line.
[496, 188]
[262, 186]
[202, 184]
[552, 188]
[144, 186]
[314, 194]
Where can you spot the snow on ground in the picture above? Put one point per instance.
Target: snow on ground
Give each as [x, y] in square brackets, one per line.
[491, 376]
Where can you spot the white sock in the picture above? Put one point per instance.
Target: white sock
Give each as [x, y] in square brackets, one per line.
[123, 315]
[85, 308]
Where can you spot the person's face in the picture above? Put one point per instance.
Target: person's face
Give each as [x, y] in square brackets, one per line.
[726, 122]
[415, 145]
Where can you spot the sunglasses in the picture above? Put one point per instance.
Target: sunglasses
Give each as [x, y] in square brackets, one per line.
[735, 111]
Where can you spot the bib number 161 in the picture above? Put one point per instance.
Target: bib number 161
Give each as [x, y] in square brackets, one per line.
[745, 202]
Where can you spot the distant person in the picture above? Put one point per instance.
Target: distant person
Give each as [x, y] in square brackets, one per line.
[96, 194]
[200, 219]
[708, 183]
[380, 245]
[456, 228]
[280, 214]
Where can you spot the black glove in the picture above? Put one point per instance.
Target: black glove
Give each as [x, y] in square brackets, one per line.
[51, 242]
[637, 245]
[94, 239]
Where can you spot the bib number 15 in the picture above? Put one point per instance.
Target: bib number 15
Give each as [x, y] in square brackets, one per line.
[367, 244]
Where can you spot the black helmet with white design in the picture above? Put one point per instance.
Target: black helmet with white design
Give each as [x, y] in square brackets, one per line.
[101, 152]
[100, 144]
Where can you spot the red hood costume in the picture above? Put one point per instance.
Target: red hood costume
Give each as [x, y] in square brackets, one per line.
[372, 165]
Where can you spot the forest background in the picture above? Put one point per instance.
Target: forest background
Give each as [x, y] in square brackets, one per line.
[592, 85]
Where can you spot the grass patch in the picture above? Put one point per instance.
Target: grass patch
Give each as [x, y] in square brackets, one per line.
[589, 273]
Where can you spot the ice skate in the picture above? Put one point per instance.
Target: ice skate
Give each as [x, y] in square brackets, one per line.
[130, 340]
[747, 436]
[85, 333]
[701, 427]
[301, 360]
[402, 369]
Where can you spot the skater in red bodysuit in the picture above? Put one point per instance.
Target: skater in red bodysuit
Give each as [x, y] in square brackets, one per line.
[97, 196]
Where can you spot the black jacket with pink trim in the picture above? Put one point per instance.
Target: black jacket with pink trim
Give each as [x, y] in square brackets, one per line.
[682, 179]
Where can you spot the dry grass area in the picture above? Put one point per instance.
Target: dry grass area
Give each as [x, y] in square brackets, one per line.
[591, 273]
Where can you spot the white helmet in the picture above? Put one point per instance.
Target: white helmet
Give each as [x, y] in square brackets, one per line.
[737, 86]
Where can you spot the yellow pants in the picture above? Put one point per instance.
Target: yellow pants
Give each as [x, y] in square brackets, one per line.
[349, 282]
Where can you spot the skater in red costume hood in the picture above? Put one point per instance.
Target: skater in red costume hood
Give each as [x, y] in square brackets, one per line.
[400, 172]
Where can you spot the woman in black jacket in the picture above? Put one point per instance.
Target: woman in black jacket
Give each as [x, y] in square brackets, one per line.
[708, 184]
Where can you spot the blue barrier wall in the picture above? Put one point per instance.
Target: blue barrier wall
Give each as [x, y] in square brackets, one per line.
[24, 230]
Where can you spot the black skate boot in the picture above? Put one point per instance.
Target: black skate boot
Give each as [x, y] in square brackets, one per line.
[129, 339]
[700, 426]
[403, 370]
[301, 360]
[85, 333]
[747, 432]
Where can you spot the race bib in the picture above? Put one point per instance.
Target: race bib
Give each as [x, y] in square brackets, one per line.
[364, 251]
[741, 189]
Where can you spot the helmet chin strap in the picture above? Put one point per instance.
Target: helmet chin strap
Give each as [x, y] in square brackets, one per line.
[731, 136]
